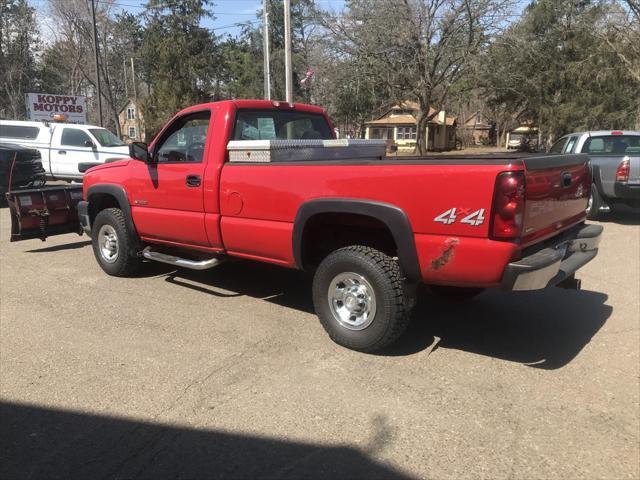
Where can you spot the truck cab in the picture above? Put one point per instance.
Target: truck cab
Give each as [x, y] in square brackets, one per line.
[67, 149]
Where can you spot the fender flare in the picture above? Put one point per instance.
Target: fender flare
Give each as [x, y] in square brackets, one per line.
[120, 195]
[392, 216]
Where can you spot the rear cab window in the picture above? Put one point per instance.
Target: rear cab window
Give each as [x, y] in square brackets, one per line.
[612, 145]
[280, 125]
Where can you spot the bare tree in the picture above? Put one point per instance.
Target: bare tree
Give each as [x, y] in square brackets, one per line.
[78, 40]
[622, 35]
[416, 49]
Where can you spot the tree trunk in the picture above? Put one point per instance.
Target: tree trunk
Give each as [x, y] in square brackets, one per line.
[421, 139]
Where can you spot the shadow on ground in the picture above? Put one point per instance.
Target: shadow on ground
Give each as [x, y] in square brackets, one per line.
[544, 329]
[64, 246]
[621, 215]
[46, 443]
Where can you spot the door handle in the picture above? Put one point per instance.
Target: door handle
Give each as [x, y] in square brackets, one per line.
[193, 180]
[62, 152]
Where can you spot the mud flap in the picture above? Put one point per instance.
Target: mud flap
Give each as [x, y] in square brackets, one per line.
[43, 212]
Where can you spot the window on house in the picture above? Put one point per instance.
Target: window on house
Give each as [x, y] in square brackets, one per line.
[132, 132]
[406, 133]
[131, 113]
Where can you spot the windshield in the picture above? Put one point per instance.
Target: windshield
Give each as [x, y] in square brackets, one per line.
[612, 145]
[281, 125]
[106, 138]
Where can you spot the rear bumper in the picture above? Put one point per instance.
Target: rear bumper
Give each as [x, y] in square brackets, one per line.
[83, 217]
[551, 266]
[625, 191]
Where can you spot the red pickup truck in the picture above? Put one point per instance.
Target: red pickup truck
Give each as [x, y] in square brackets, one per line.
[267, 181]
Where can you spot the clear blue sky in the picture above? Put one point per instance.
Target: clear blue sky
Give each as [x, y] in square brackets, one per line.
[227, 13]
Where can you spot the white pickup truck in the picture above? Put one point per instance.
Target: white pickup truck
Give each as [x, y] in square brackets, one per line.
[67, 149]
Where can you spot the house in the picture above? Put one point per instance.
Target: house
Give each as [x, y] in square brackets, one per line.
[399, 125]
[476, 130]
[132, 122]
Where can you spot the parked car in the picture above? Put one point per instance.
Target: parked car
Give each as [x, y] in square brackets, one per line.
[67, 150]
[266, 181]
[615, 160]
[21, 166]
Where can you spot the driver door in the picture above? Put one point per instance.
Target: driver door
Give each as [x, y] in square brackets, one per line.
[167, 195]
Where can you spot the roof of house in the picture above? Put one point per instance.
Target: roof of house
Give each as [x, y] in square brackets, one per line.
[387, 118]
[395, 120]
[475, 121]
[126, 104]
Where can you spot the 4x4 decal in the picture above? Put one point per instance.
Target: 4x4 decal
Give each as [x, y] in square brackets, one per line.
[452, 215]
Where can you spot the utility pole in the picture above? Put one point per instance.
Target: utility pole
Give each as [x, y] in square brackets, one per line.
[287, 50]
[95, 52]
[265, 36]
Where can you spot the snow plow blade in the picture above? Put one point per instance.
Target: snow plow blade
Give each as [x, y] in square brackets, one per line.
[43, 212]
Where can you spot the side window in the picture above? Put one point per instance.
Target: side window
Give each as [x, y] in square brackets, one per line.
[570, 144]
[19, 131]
[185, 140]
[558, 147]
[74, 137]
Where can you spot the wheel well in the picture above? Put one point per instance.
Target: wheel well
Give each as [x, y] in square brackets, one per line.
[99, 202]
[325, 232]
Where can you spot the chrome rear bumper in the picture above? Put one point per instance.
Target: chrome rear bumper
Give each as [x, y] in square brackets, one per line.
[553, 265]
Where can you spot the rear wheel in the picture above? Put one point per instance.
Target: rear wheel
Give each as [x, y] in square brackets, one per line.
[113, 244]
[594, 203]
[360, 298]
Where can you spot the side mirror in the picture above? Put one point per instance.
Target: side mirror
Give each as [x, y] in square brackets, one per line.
[89, 144]
[139, 151]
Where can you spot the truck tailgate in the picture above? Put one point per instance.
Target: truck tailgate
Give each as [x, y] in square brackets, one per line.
[42, 212]
[557, 191]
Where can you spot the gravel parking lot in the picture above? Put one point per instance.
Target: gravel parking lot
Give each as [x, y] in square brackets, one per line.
[228, 373]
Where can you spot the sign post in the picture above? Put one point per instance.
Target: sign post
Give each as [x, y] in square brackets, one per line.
[43, 106]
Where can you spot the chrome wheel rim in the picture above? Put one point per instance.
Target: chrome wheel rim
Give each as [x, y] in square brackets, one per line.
[352, 301]
[108, 243]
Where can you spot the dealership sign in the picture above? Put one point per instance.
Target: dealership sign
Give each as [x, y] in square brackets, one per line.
[43, 106]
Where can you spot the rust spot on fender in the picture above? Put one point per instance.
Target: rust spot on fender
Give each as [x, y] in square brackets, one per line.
[446, 255]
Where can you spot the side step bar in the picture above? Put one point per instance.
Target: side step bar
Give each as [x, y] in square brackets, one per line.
[181, 262]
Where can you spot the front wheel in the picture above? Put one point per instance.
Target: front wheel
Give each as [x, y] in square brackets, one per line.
[360, 297]
[113, 244]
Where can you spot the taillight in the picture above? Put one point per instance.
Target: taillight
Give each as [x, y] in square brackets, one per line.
[622, 173]
[508, 205]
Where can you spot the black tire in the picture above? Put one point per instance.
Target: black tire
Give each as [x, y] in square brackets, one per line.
[593, 209]
[126, 262]
[392, 297]
[455, 293]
